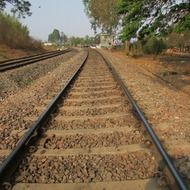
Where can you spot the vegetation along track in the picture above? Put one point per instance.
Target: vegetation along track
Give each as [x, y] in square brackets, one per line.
[91, 141]
[19, 62]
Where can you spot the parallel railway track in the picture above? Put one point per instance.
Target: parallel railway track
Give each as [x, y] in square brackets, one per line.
[19, 62]
[88, 138]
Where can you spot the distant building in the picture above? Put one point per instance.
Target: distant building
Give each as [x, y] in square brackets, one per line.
[48, 44]
[107, 40]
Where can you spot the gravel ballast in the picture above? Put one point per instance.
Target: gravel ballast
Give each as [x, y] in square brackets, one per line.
[17, 109]
[87, 168]
[92, 140]
[13, 80]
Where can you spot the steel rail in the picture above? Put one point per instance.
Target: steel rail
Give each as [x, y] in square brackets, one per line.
[10, 164]
[22, 62]
[28, 59]
[178, 179]
[24, 57]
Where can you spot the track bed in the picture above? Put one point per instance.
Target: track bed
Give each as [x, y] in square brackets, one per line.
[92, 141]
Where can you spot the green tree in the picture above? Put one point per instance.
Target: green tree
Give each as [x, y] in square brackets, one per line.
[102, 14]
[54, 37]
[142, 18]
[63, 38]
[89, 40]
[184, 24]
[86, 41]
[74, 41]
[22, 7]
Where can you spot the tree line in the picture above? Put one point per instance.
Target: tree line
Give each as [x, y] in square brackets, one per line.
[145, 20]
[142, 22]
[60, 38]
[130, 15]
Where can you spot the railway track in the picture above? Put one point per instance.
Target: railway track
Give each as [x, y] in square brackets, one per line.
[19, 62]
[89, 138]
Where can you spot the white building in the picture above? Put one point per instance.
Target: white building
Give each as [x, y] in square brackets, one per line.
[48, 44]
[107, 40]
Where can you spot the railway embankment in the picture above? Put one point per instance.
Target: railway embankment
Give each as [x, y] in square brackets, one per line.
[167, 107]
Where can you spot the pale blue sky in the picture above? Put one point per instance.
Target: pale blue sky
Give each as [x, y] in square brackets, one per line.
[65, 15]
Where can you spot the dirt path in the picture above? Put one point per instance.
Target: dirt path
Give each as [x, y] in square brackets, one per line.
[174, 70]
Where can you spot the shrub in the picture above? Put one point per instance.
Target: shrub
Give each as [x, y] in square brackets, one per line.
[136, 49]
[154, 46]
[16, 35]
[179, 40]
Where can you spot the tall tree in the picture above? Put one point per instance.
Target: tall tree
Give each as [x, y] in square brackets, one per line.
[54, 37]
[63, 38]
[102, 14]
[22, 7]
[141, 18]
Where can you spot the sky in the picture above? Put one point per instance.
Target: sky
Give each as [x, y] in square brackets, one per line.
[67, 16]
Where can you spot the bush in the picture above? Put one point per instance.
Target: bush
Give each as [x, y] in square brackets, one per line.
[179, 40]
[183, 25]
[15, 35]
[154, 46]
[136, 49]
